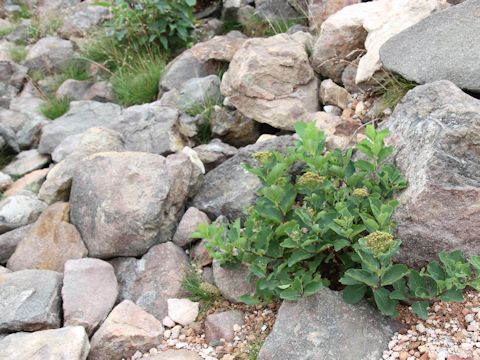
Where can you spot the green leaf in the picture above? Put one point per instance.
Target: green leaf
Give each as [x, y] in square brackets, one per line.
[393, 274]
[249, 299]
[475, 261]
[386, 305]
[298, 256]
[420, 308]
[312, 287]
[340, 244]
[452, 295]
[352, 294]
[362, 276]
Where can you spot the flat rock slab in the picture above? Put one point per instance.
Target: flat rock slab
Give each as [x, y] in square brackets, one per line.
[233, 282]
[444, 46]
[89, 292]
[323, 326]
[435, 131]
[26, 162]
[30, 300]
[126, 330]
[58, 344]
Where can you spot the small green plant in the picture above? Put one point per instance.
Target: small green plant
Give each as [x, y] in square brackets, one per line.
[391, 88]
[253, 349]
[18, 54]
[205, 109]
[42, 27]
[167, 22]
[53, 108]
[22, 13]
[6, 31]
[331, 225]
[259, 27]
[201, 291]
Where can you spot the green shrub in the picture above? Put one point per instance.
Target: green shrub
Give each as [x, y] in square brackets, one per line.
[53, 108]
[329, 225]
[200, 291]
[138, 82]
[18, 54]
[167, 22]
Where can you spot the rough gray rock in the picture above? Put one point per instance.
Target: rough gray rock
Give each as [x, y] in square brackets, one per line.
[5, 181]
[194, 95]
[51, 241]
[25, 162]
[233, 127]
[83, 19]
[229, 188]
[323, 326]
[233, 282]
[101, 91]
[153, 279]
[176, 355]
[81, 116]
[19, 210]
[189, 224]
[89, 292]
[443, 46]
[11, 80]
[49, 54]
[30, 300]
[214, 153]
[220, 325]
[151, 128]
[59, 179]
[73, 89]
[126, 330]
[148, 190]
[10, 240]
[436, 132]
[70, 343]
[276, 10]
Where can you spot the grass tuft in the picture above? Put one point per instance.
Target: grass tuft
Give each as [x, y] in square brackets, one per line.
[18, 54]
[201, 291]
[391, 88]
[53, 108]
[205, 109]
[6, 31]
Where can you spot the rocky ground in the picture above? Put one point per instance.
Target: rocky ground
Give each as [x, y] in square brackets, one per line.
[98, 206]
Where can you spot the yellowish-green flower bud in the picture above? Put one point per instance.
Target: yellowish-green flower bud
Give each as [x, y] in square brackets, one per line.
[262, 156]
[379, 242]
[311, 179]
[209, 288]
[360, 192]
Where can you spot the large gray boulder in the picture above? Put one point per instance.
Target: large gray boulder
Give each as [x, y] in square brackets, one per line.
[271, 81]
[276, 10]
[323, 326]
[30, 300]
[443, 46]
[70, 343]
[153, 279]
[83, 19]
[151, 128]
[229, 188]
[49, 54]
[124, 202]
[89, 292]
[81, 116]
[436, 132]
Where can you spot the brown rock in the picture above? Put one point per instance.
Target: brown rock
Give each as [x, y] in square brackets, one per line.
[333, 94]
[126, 330]
[220, 325]
[30, 182]
[51, 241]
[189, 224]
[233, 283]
[320, 10]
[220, 48]
[176, 355]
[200, 254]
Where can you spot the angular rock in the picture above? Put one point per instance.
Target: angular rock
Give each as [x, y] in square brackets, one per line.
[101, 91]
[323, 321]
[333, 94]
[81, 116]
[52, 241]
[59, 179]
[220, 325]
[206, 29]
[30, 182]
[84, 18]
[414, 53]
[26, 162]
[340, 132]
[10, 240]
[200, 255]
[176, 355]
[320, 10]
[30, 106]
[150, 193]
[221, 48]
[271, 81]
[151, 128]
[188, 225]
[194, 95]
[19, 210]
[437, 151]
[66, 147]
[126, 330]
[345, 34]
[182, 311]
[214, 153]
[185, 67]
[276, 10]
[5, 181]
[11, 79]
[73, 89]
[233, 282]
[233, 127]
[30, 300]
[229, 188]
[49, 54]
[153, 279]
[70, 342]
[89, 292]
